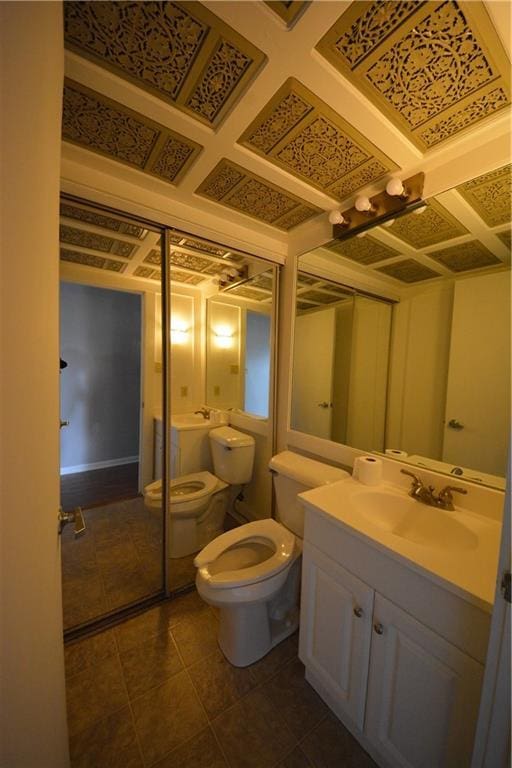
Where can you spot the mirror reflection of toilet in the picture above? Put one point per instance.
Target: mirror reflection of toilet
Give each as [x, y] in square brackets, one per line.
[252, 573]
[199, 501]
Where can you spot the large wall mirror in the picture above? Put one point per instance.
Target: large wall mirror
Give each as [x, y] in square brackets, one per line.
[433, 385]
[222, 367]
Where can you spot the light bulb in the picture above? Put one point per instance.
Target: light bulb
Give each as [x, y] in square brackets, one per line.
[364, 205]
[395, 188]
[420, 210]
[388, 223]
[336, 217]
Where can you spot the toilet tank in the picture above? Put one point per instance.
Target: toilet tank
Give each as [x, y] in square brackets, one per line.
[232, 454]
[295, 474]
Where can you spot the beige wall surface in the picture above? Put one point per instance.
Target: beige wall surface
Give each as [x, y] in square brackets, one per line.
[33, 710]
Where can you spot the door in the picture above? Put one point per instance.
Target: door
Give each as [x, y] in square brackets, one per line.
[335, 632]
[477, 417]
[423, 693]
[313, 360]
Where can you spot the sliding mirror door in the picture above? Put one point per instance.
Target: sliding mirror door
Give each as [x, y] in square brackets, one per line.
[221, 373]
[111, 382]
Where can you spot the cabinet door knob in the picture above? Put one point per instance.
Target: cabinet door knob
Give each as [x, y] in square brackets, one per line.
[378, 628]
[358, 611]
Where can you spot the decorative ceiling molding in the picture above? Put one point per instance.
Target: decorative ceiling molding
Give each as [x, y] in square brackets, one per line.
[433, 225]
[433, 68]
[249, 293]
[290, 11]
[490, 195]
[92, 260]
[96, 242]
[301, 134]
[365, 250]
[180, 52]
[465, 256]
[101, 220]
[505, 238]
[185, 277]
[101, 125]
[233, 186]
[408, 271]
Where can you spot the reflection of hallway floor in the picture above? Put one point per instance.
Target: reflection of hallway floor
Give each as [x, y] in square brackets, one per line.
[117, 561]
[99, 486]
[156, 691]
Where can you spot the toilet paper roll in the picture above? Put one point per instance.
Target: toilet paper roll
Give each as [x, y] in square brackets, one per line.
[395, 452]
[368, 470]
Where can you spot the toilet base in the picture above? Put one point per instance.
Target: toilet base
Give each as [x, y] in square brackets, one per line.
[247, 632]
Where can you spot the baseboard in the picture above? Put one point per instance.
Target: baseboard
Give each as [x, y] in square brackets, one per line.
[98, 465]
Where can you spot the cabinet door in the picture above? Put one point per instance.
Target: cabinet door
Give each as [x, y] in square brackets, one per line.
[335, 633]
[423, 694]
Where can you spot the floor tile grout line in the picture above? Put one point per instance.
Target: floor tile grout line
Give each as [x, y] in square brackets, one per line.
[137, 739]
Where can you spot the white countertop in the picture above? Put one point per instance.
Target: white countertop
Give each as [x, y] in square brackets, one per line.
[470, 572]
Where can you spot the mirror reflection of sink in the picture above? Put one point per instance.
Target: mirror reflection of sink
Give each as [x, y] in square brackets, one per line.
[187, 419]
[407, 518]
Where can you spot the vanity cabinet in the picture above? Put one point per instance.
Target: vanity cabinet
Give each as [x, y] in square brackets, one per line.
[408, 694]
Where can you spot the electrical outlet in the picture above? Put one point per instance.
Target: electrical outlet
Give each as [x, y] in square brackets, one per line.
[184, 391]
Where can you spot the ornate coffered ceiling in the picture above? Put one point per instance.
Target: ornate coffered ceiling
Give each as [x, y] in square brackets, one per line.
[490, 195]
[303, 135]
[233, 186]
[433, 68]
[261, 116]
[86, 238]
[179, 52]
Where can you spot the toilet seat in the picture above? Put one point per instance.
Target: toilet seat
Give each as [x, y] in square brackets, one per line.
[264, 532]
[185, 488]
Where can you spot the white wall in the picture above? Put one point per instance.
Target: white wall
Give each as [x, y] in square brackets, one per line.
[186, 367]
[224, 380]
[33, 719]
[420, 348]
[100, 339]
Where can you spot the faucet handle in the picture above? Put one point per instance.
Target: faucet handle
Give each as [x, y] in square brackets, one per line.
[414, 477]
[449, 488]
[445, 498]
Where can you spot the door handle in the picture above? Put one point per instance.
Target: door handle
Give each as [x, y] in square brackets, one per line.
[63, 423]
[75, 517]
[324, 404]
[454, 424]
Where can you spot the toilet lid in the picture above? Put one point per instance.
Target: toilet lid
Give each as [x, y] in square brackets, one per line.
[268, 535]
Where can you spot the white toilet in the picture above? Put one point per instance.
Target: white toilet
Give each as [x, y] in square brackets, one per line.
[252, 573]
[199, 501]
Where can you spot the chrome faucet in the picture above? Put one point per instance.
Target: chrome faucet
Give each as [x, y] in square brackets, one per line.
[426, 494]
[204, 412]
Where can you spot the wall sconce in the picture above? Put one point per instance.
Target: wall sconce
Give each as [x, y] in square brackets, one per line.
[398, 198]
[364, 205]
[223, 336]
[179, 332]
[395, 188]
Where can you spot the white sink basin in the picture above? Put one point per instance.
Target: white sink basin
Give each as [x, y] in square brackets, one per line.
[403, 516]
[187, 419]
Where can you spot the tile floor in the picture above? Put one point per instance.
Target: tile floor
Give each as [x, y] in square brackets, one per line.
[156, 691]
[117, 561]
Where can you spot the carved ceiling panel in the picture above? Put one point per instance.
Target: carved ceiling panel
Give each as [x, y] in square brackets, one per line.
[408, 271]
[432, 68]
[505, 238]
[95, 241]
[154, 257]
[465, 256]
[185, 277]
[249, 293]
[289, 11]
[490, 195]
[101, 125]
[180, 52]
[300, 133]
[98, 219]
[365, 250]
[433, 225]
[243, 191]
[92, 260]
